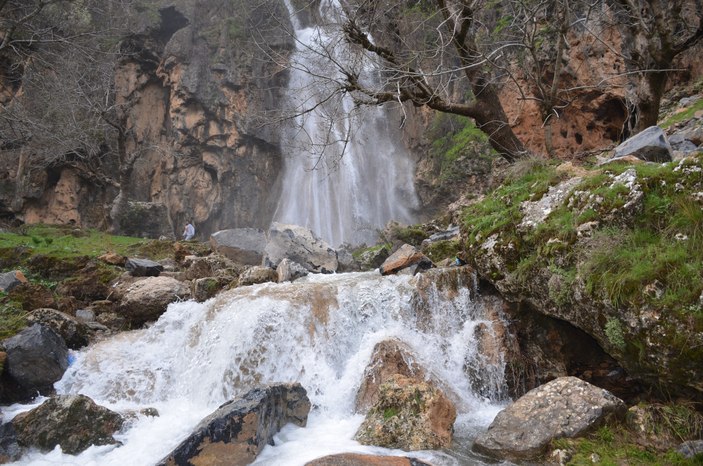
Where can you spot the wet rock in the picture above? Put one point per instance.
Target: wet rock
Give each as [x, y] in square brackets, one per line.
[256, 275]
[74, 333]
[143, 267]
[206, 288]
[389, 358]
[242, 245]
[147, 299]
[36, 358]
[409, 415]
[346, 260]
[299, 245]
[650, 145]
[10, 280]
[357, 459]
[373, 258]
[565, 407]
[10, 450]
[289, 271]
[74, 422]
[241, 428]
[405, 257]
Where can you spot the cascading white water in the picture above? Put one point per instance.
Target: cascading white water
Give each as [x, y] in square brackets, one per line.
[319, 331]
[346, 173]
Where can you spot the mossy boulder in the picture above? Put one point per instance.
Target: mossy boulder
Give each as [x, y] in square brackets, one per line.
[409, 415]
[631, 279]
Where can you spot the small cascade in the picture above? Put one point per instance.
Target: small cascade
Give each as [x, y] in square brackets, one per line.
[319, 331]
[346, 172]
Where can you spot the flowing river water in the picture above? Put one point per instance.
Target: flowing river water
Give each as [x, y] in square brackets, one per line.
[319, 331]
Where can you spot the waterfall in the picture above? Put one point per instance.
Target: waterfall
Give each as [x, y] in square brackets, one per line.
[346, 173]
[319, 331]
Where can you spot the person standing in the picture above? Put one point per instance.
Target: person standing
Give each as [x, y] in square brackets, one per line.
[189, 231]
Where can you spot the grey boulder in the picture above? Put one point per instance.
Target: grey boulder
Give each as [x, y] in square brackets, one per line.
[299, 245]
[650, 145]
[564, 407]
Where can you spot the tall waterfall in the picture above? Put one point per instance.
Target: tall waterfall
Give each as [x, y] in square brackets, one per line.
[346, 174]
[319, 331]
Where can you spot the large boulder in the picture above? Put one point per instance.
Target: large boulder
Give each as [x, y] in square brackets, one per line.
[36, 358]
[406, 257]
[564, 407]
[409, 415]
[358, 459]
[143, 267]
[389, 358]
[10, 280]
[650, 145]
[74, 333]
[73, 422]
[242, 245]
[147, 299]
[299, 245]
[241, 428]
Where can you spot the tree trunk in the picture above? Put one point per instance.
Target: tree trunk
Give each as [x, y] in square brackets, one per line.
[649, 97]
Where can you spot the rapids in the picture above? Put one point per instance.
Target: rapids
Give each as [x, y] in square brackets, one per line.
[319, 331]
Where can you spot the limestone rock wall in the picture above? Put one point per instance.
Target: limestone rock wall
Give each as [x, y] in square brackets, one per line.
[193, 87]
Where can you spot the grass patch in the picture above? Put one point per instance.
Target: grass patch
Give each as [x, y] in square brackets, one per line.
[616, 446]
[12, 317]
[683, 115]
[441, 250]
[65, 242]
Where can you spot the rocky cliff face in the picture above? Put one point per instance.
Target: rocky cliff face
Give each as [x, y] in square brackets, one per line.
[192, 89]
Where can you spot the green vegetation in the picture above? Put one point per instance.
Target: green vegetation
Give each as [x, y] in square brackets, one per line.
[442, 250]
[49, 255]
[657, 246]
[390, 412]
[649, 439]
[454, 138]
[12, 316]
[65, 242]
[684, 115]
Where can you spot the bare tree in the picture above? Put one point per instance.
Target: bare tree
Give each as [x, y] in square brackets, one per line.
[660, 31]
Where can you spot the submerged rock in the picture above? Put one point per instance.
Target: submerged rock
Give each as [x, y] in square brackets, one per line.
[564, 407]
[74, 422]
[237, 432]
[409, 415]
